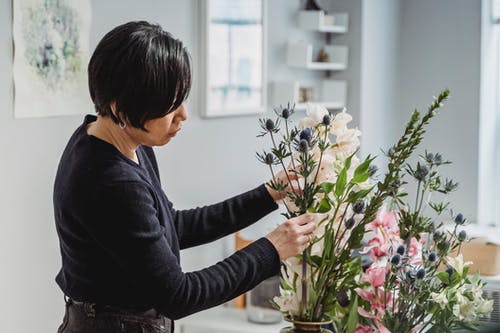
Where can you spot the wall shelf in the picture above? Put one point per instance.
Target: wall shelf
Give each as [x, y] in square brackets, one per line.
[300, 54]
[319, 21]
[329, 93]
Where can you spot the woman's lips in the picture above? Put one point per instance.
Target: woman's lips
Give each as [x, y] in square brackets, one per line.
[174, 133]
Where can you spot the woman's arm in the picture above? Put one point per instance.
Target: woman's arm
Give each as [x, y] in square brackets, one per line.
[126, 226]
[205, 224]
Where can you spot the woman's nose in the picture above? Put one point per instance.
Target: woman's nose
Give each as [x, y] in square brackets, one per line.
[182, 112]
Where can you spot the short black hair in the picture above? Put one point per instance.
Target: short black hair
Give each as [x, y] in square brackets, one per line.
[142, 68]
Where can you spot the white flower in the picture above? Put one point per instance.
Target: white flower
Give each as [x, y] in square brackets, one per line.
[458, 263]
[339, 123]
[485, 307]
[464, 309]
[348, 141]
[288, 302]
[315, 114]
[440, 299]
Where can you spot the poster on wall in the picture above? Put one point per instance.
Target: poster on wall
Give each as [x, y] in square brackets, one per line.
[51, 52]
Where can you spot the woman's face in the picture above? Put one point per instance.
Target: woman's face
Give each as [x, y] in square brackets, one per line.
[161, 130]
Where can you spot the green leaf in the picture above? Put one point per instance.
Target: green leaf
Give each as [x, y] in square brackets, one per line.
[341, 183]
[355, 196]
[314, 261]
[443, 277]
[284, 285]
[326, 187]
[324, 206]
[361, 173]
[352, 320]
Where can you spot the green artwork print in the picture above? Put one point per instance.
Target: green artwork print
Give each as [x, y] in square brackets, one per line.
[51, 35]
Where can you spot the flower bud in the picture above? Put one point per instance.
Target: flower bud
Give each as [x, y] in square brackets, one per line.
[432, 256]
[396, 259]
[438, 159]
[437, 234]
[285, 113]
[349, 223]
[462, 235]
[421, 273]
[306, 134]
[450, 271]
[401, 250]
[372, 170]
[327, 119]
[421, 172]
[359, 207]
[269, 159]
[429, 157]
[270, 124]
[303, 145]
[459, 219]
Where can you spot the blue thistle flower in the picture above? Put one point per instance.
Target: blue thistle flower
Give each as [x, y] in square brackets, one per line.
[459, 219]
[270, 125]
[327, 120]
[349, 223]
[303, 145]
[306, 134]
[421, 172]
[401, 250]
[450, 271]
[432, 257]
[372, 170]
[462, 235]
[359, 207]
[421, 273]
[396, 259]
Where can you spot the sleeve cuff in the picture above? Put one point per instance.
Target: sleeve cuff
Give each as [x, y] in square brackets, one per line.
[267, 256]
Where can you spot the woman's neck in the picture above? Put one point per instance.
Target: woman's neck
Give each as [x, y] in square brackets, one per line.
[105, 129]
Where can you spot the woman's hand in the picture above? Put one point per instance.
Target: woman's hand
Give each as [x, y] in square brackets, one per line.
[291, 180]
[293, 236]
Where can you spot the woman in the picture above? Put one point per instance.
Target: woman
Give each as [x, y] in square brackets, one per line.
[119, 234]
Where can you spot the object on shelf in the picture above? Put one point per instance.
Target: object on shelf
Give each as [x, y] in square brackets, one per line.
[323, 56]
[332, 94]
[300, 54]
[319, 21]
[312, 5]
[306, 94]
[259, 308]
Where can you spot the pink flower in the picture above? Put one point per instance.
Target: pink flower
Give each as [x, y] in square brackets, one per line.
[377, 247]
[388, 221]
[375, 276]
[363, 329]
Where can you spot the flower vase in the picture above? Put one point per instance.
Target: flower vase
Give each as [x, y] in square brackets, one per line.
[306, 327]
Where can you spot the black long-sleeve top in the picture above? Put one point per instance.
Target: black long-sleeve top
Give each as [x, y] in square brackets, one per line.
[120, 236]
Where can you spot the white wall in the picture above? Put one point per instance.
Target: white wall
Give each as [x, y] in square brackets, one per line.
[379, 75]
[440, 48]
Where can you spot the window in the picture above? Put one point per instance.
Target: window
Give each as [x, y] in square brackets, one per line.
[489, 130]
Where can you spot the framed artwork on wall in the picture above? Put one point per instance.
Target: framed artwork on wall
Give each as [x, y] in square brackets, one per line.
[51, 51]
[233, 57]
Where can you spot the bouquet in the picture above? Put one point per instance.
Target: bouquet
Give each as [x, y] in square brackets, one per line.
[327, 281]
[414, 283]
[333, 184]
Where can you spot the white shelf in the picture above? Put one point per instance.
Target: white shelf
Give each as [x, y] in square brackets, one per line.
[329, 93]
[317, 20]
[300, 54]
[225, 320]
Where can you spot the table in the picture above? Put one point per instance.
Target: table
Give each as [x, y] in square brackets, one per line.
[224, 319]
